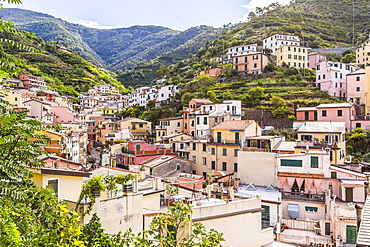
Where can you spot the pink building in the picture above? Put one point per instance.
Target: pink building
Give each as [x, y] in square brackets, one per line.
[61, 163]
[138, 152]
[340, 112]
[331, 77]
[62, 114]
[30, 80]
[356, 86]
[313, 59]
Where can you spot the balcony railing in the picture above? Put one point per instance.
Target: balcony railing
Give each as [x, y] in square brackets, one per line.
[316, 144]
[159, 127]
[303, 196]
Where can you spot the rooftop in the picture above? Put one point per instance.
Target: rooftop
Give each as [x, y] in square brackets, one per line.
[234, 124]
[286, 146]
[203, 101]
[334, 105]
[157, 161]
[322, 127]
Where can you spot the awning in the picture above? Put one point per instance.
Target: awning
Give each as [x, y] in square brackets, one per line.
[293, 211]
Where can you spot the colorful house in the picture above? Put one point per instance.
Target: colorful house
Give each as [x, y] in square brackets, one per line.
[293, 56]
[252, 63]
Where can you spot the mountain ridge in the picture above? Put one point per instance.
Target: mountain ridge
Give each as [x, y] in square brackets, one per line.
[114, 49]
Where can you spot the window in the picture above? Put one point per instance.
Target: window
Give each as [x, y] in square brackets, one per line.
[194, 146]
[235, 167]
[295, 163]
[358, 89]
[213, 165]
[236, 152]
[357, 78]
[204, 147]
[198, 120]
[289, 56]
[224, 151]
[192, 123]
[178, 124]
[255, 65]
[306, 115]
[358, 125]
[318, 77]
[323, 113]
[213, 151]
[205, 120]
[310, 209]
[339, 113]
[314, 162]
[323, 76]
[224, 166]
[53, 184]
[318, 67]
[288, 48]
[204, 161]
[306, 138]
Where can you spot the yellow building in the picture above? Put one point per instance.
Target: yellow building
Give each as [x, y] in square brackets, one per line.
[108, 110]
[113, 90]
[14, 97]
[293, 56]
[363, 53]
[221, 153]
[169, 126]
[329, 136]
[138, 129]
[66, 184]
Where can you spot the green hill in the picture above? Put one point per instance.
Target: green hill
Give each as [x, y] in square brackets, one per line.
[63, 70]
[114, 49]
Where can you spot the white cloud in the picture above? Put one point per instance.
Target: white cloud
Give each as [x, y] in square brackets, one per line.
[259, 3]
[92, 24]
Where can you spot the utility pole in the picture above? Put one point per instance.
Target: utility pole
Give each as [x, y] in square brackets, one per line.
[353, 23]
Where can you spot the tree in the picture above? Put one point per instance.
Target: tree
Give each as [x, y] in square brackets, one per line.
[163, 71]
[173, 229]
[348, 58]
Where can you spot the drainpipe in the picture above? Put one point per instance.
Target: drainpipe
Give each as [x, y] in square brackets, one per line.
[358, 208]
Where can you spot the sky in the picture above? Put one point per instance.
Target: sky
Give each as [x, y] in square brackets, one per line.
[175, 14]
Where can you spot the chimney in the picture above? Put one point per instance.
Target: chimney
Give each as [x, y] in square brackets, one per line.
[209, 190]
[231, 193]
[157, 183]
[136, 184]
[236, 183]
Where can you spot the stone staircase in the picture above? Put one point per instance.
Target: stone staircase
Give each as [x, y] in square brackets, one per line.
[363, 237]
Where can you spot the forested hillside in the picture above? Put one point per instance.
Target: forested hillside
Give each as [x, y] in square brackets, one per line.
[63, 70]
[114, 49]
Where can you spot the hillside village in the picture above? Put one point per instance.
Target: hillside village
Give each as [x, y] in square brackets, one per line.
[306, 191]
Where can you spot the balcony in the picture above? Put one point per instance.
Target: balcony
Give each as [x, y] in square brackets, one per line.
[303, 196]
[317, 144]
[159, 127]
[235, 113]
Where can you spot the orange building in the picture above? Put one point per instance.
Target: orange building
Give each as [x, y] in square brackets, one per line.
[253, 63]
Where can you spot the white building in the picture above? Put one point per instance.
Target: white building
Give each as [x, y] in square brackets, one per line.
[241, 50]
[102, 88]
[210, 115]
[166, 92]
[275, 41]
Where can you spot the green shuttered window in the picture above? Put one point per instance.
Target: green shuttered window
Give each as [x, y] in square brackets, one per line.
[295, 163]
